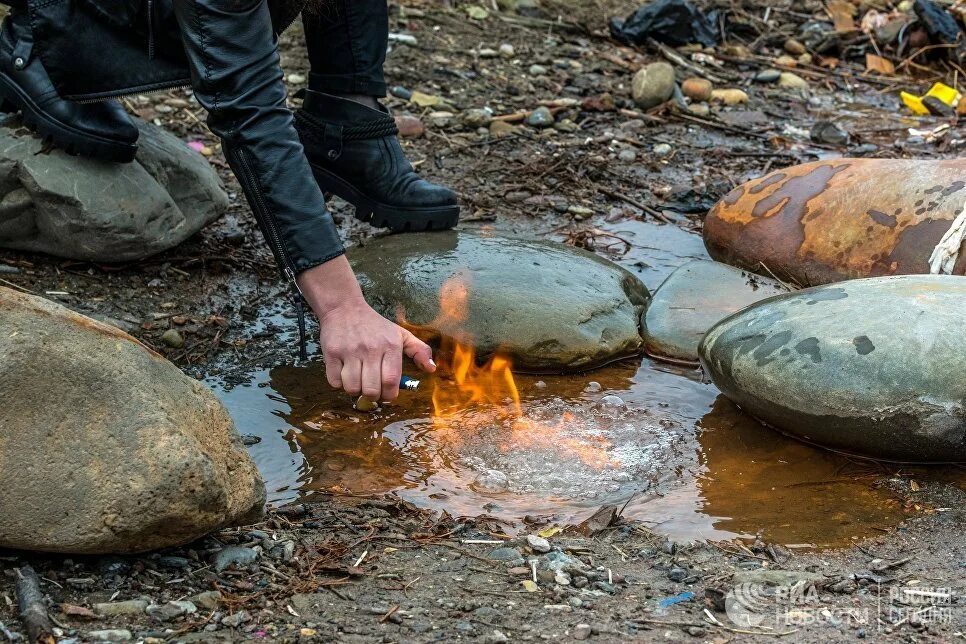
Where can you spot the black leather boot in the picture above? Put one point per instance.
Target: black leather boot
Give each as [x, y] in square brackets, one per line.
[101, 130]
[354, 153]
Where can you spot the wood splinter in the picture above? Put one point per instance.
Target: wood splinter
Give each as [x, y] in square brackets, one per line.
[33, 612]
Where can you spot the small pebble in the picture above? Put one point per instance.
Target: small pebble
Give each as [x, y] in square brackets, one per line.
[295, 79]
[662, 150]
[237, 619]
[506, 50]
[582, 631]
[129, 607]
[794, 47]
[410, 127]
[677, 574]
[729, 96]
[538, 543]
[792, 81]
[506, 554]
[401, 92]
[540, 117]
[234, 556]
[174, 562]
[172, 338]
[537, 70]
[768, 76]
[697, 89]
[111, 635]
[627, 155]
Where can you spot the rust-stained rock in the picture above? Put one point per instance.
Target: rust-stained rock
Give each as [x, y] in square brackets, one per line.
[840, 219]
[105, 446]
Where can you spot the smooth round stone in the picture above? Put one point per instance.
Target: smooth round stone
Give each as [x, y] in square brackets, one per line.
[839, 219]
[872, 367]
[550, 307]
[693, 299]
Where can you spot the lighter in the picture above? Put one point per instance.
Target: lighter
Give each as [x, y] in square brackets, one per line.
[405, 383]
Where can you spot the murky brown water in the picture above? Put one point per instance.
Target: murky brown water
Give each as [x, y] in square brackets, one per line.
[692, 464]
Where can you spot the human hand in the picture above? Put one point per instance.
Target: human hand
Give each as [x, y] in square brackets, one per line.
[362, 350]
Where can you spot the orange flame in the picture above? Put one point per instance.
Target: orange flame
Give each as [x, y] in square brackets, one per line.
[490, 389]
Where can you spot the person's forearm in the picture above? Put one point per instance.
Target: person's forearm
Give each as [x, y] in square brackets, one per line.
[329, 286]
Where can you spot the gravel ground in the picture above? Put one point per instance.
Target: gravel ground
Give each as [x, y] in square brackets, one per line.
[377, 569]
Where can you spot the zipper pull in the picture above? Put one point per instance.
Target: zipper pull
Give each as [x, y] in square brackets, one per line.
[299, 315]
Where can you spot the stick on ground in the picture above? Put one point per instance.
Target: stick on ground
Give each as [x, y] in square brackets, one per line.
[33, 612]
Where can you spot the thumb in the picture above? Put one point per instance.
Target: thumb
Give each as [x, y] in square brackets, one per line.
[419, 351]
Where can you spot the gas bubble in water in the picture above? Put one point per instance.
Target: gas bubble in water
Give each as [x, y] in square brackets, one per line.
[493, 481]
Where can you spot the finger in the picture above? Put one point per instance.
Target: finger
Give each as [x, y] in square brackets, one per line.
[333, 372]
[419, 351]
[372, 377]
[352, 376]
[391, 374]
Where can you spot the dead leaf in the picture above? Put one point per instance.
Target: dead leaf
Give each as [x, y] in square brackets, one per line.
[843, 15]
[879, 65]
[913, 485]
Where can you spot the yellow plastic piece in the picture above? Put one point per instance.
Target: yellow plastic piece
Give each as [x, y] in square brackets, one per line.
[914, 103]
[948, 95]
[945, 93]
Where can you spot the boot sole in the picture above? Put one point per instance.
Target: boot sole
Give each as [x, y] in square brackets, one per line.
[380, 215]
[62, 135]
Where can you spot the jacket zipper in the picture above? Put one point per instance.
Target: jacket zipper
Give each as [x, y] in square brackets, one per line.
[263, 213]
[150, 29]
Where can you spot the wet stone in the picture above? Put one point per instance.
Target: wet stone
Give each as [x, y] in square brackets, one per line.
[548, 306]
[695, 298]
[78, 208]
[871, 367]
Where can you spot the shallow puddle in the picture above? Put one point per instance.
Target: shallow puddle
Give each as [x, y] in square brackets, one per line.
[692, 465]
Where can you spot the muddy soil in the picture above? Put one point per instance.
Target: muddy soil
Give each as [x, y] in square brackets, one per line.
[630, 185]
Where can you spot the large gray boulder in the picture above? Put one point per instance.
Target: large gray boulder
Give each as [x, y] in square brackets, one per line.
[692, 300]
[54, 203]
[105, 446]
[871, 366]
[549, 306]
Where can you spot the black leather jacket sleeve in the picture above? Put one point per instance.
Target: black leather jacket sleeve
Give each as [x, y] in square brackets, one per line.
[233, 56]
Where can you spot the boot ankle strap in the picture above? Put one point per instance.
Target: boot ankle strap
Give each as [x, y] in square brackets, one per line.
[330, 136]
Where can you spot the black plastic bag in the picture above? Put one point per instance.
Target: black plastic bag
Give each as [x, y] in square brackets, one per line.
[941, 27]
[672, 22]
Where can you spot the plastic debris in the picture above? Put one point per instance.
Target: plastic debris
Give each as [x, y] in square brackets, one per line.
[941, 27]
[943, 94]
[667, 602]
[673, 22]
